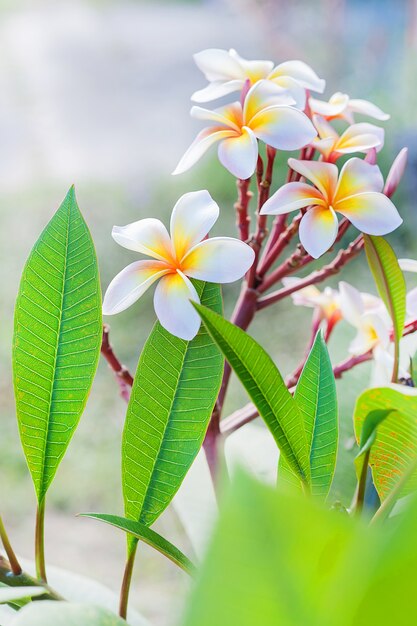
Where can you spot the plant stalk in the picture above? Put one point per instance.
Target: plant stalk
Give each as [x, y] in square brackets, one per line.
[14, 563]
[127, 579]
[40, 542]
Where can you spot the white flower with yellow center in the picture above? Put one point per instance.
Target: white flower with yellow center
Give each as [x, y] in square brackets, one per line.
[356, 138]
[266, 115]
[228, 72]
[175, 259]
[340, 106]
[326, 302]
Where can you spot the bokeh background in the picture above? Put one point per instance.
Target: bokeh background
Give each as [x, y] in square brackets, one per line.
[96, 93]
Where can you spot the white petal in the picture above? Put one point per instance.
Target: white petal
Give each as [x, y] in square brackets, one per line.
[204, 140]
[291, 197]
[148, 236]
[408, 265]
[173, 307]
[372, 213]
[351, 304]
[318, 230]
[192, 217]
[360, 138]
[358, 176]
[283, 127]
[130, 284]
[217, 89]
[322, 175]
[365, 107]
[217, 64]
[262, 95]
[333, 108]
[294, 89]
[218, 260]
[239, 154]
[412, 303]
[229, 115]
[302, 72]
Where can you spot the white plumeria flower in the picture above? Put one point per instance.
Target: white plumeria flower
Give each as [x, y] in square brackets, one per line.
[356, 138]
[326, 302]
[176, 258]
[372, 323]
[355, 193]
[340, 106]
[228, 72]
[265, 115]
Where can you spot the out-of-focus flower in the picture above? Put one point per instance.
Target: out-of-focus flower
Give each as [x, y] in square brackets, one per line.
[265, 115]
[340, 106]
[396, 172]
[227, 72]
[176, 258]
[356, 138]
[410, 265]
[356, 194]
[372, 324]
[326, 302]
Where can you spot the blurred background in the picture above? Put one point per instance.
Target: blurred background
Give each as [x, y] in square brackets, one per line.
[97, 93]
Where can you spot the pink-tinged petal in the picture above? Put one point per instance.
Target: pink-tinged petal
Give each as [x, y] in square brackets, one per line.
[148, 236]
[263, 95]
[351, 304]
[217, 89]
[302, 72]
[192, 217]
[218, 260]
[371, 212]
[324, 146]
[292, 197]
[217, 64]
[396, 172]
[239, 154]
[364, 107]
[204, 140]
[318, 230]
[412, 303]
[333, 108]
[371, 156]
[294, 88]
[173, 307]
[324, 129]
[254, 70]
[322, 175]
[360, 138]
[408, 265]
[283, 128]
[131, 283]
[229, 115]
[357, 176]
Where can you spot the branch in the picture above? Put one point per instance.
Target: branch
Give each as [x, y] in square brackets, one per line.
[123, 376]
[241, 206]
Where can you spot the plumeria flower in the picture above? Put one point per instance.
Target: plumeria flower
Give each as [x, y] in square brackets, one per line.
[340, 106]
[175, 259]
[326, 302]
[355, 194]
[373, 324]
[228, 72]
[356, 138]
[265, 115]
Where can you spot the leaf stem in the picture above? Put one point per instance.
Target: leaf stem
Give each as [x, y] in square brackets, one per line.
[127, 579]
[40, 542]
[7, 577]
[14, 563]
[360, 494]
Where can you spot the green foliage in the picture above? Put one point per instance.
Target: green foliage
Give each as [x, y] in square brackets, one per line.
[145, 534]
[390, 283]
[11, 594]
[394, 445]
[266, 388]
[57, 340]
[173, 395]
[49, 613]
[316, 397]
[280, 558]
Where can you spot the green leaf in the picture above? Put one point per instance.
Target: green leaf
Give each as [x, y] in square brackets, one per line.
[11, 594]
[413, 369]
[390, 283]
[317, 400]
[368, 437]
[49, 613]
[57, 340]
[395, 442]
[173, 395]
[266, 388]
[145, 534]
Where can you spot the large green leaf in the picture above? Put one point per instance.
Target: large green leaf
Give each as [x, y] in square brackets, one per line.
[266, 388]
[390, 282]
[316, 397]
[147, 535]
[173, 395]
[49, 613]
[57, 340]
[395, 445]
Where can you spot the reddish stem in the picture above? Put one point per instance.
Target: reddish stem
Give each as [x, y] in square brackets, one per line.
[241, 206]
[123, 376]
